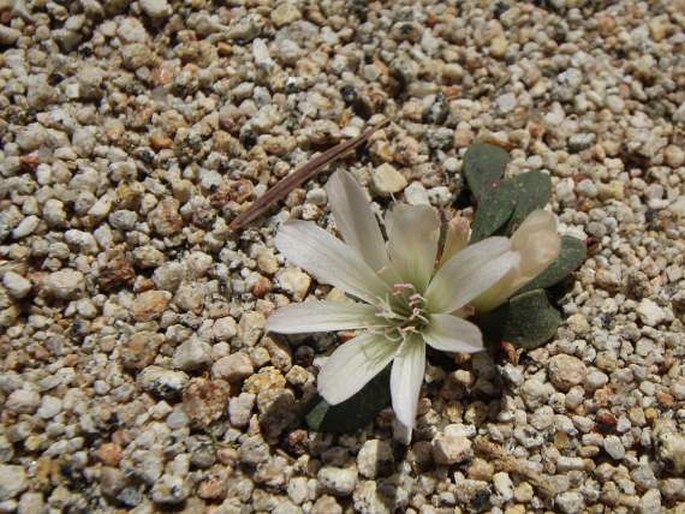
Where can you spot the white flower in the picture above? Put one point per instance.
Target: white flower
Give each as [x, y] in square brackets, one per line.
[538, 244]
[407, 303]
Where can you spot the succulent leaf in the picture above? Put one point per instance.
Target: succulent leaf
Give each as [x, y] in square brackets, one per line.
[533, 191]
[571, 256]
[494, 210]
[484, 166]
[528, 320]
[352, 414]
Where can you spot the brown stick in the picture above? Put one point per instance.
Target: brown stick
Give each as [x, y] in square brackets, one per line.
[299, 176]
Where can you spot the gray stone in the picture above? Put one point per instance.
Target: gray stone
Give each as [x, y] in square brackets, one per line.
[566, 371]
[26, 227]
[570, 502]
[650, 313]
[387, 180]
[13, 481]
[448, 450]
[234, 367]
[156, 8]
[23, 401]
[614, 447]
[375, 459]
[66, 284]
[240, 409]
[337, 481]
[162, 382]
[16, 285]
[192, 354]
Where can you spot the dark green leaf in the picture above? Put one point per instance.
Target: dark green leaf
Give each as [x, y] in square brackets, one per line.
[494, 210]
[571, 256]
[533, 192]
[527, 320]
[484, 167]
[352, 414]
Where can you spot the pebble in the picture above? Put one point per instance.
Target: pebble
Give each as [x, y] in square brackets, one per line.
[16, 285]
[614, 447]
[24, 401]
[192, 354]
[650, 313]
[156, 8]
[234, 367]
[13, 481]
[566, 371]
[240, 409]
[448, 450]
[337, 481]
[570, 502]
[295, 282]
[386, 180]
[66, 284]
[162, 382]
[375, 459]
[149, 305]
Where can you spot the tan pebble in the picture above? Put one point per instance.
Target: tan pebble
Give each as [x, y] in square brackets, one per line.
[150, 305]
[109, 454]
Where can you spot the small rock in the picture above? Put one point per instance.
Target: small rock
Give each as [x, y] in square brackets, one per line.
[165, 218]
[49, 408]
[253, 451]
[205, 401]
[295, 282]
[170, 489]
[570, 502]
[66, 284]
[267, 378]
[240, 409]
[650, 313]
[26, 227]
[23, 401]
[162, 382]
[670, 448]
[375, 459]
[449, 450]
[192, 354]
[149, 305]
[140, 350]
[326, 505]
[156, 8]
[614, 447]
[503, 485]
[284, 14]
[566, 371]
[234, 367]
[8, 35]
[16, 285]
[13, 481]
[337, 481]
[387, 180]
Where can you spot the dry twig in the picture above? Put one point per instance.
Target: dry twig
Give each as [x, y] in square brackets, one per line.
[299, 176]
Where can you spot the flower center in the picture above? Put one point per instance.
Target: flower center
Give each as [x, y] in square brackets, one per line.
[403, 312]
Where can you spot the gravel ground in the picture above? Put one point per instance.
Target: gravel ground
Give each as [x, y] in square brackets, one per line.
[135, 371]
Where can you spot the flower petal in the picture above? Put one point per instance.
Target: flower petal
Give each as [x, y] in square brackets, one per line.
[449, 333]
[456, 238]
[469, 273]
[355, 220]
[353, 364]
[328, 259]
[321, 317]
[413, 233]
[406, 378]
[538, 244]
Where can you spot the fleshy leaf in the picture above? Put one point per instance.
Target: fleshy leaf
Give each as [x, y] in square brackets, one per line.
[352, 414]
[527, 320]
[484, 166]
[571, 256]
[533, 191]
[494, 210]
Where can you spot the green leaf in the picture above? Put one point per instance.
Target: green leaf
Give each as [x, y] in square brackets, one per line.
[484, 166]
[352, 414]
[571, 256]
[527, 320]
[533, 192]
[494, 210]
